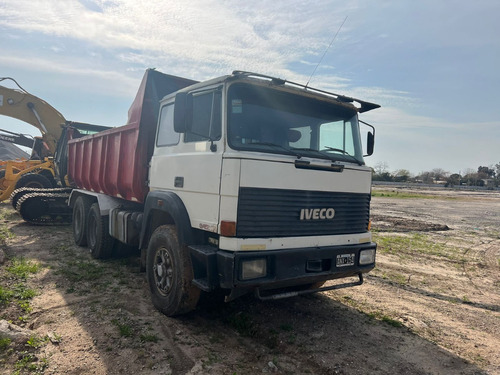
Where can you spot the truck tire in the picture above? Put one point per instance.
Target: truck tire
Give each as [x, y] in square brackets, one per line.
[170, 273]
[98, 239]
[80, 217]
[33, 180]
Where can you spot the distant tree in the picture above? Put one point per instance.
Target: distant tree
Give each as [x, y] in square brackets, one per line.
[426, 177]
[497, 173]
[381, 173]
[381, 167]
[471, 178]
[485, 172]
[453, 180]
[439, 174]
[385, 176]
[402, 175]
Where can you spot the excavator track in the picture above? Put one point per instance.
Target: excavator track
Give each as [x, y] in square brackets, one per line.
[45, 208]
[19, 193]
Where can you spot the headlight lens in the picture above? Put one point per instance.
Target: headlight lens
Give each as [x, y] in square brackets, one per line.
[366, 257]
[253, 269]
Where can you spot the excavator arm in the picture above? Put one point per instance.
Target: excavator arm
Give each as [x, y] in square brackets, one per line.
[21, 105]
[18, 139]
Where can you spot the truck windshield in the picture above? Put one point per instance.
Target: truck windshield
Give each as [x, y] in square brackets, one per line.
[265, 119]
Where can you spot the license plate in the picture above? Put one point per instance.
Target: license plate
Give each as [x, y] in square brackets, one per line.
[344, 260]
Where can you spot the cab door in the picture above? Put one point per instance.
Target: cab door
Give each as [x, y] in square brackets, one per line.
[189, 163]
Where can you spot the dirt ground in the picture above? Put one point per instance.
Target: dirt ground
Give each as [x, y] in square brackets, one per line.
[431, 306]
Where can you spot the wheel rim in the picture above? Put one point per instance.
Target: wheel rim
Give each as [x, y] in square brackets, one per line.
[163, 270]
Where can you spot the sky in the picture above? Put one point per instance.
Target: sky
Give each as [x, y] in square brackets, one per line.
[433, 66]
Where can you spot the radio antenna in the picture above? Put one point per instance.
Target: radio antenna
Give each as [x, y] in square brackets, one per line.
[324, 53]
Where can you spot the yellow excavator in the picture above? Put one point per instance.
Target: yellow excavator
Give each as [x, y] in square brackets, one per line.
[38, 171]
[38, 187]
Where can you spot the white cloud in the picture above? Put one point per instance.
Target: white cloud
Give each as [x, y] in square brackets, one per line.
[261, 36]
[104, 81]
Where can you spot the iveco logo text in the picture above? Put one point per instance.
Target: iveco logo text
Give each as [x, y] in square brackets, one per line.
[317, 213]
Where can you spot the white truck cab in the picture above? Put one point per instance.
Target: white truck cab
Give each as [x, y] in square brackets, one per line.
[272, 185]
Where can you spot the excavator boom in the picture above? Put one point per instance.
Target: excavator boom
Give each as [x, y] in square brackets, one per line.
[21, 105]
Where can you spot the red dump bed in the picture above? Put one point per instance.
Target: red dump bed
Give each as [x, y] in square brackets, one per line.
[115, 161]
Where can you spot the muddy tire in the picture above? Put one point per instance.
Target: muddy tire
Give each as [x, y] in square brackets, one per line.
[98, 239]
[80, 220]
[170, 273]
[33, 180]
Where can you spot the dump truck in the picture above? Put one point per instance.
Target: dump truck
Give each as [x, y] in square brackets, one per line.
[240, 184]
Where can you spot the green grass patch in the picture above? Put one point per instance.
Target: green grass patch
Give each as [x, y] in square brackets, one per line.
[30, 363]
[4, 343]
[23, 292]
[82, 270]
[124, 329]
[5, 295]
[36, 342]
[414, 244]
[149, 338]
[407, 195]
[392, 322]
[21, 268]
[5, 234]
[395, 277]
[384, 318]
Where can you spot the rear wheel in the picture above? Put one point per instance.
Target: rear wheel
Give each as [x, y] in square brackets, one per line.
[98, 238]
[80, 217]
[33, 180]
[170, 273]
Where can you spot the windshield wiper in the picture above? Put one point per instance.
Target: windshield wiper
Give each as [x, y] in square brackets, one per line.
[288, 151]
[328, 156]
[328, 148]
[320, 154]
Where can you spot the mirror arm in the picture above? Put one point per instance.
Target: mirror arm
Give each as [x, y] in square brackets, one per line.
[372, 137]
[367, 124]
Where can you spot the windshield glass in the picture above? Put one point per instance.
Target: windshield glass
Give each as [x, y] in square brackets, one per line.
[263, 119]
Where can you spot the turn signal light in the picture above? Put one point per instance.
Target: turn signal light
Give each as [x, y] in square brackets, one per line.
[369, 225]
[228, 228]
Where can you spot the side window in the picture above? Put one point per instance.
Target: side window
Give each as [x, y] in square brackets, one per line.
[206, 120]
[166, 134]
[337, 135]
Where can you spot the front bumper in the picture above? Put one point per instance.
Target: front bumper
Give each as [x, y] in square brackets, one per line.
[284, 268]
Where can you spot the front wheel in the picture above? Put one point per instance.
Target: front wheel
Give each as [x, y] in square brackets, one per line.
[170, 273]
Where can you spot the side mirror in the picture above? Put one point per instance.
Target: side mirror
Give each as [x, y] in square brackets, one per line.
[370, 143]
[370, 139]
[183, 110]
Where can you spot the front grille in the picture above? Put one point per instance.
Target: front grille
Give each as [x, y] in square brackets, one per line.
[276, 213]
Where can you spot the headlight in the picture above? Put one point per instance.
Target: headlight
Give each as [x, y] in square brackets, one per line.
[253, 269]
[366, 257]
